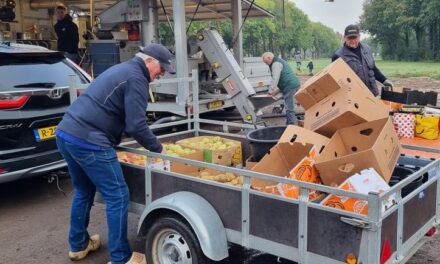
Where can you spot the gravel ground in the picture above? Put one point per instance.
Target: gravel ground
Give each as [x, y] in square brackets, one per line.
[34, 219]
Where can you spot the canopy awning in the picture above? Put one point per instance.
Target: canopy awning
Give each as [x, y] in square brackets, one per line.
[208, 9]
[211, 9]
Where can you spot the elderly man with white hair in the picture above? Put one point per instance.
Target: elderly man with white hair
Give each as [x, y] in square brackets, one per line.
[283, 81]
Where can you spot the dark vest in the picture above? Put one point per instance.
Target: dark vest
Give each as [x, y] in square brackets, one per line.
[288, 80]
[363, 67]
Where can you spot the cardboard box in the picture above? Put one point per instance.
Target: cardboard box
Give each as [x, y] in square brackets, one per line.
[367, 181]
[184, 168]
[326, 82]
[294, 145]
[336, 98]
[141, 160]
[348, 106]
[231, 155]
[295, 134]
[353, 149]
[250, 163]
[303, 171]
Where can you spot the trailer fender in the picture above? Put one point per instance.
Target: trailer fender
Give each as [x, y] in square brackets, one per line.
[201, 216]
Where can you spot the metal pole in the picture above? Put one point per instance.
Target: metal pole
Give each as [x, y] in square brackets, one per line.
[92, 13]
[303, 224]
[181, 50]
[72, 88]
[374, 234]
[150, 26]
[196, 105]
[236, 25]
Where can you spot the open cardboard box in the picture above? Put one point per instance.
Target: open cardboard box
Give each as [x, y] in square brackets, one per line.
[348, 106]
[335, 98]
[365, 182]
[326, 82]
[293, 146]
[184, 168]
[141, 160]
[227, 157]
[250, 163]
[368, 145]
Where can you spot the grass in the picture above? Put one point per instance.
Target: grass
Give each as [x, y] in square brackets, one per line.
[388, 68]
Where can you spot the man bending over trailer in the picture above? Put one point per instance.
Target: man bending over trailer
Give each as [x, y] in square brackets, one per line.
[114, 103]
[284, 81]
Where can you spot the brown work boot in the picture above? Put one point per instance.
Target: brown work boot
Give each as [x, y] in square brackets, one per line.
[136, 258]
[94, 244]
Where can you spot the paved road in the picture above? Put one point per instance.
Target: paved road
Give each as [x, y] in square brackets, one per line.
[34, 219]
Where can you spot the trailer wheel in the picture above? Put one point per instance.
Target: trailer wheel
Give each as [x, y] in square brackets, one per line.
[170, 240]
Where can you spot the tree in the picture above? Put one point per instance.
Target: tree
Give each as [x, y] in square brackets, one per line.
[406, 29]
[325, 41]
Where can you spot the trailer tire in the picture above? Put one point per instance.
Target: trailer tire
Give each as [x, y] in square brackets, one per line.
[171, 239]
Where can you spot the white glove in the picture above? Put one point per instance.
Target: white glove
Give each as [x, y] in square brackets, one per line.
[274, 91]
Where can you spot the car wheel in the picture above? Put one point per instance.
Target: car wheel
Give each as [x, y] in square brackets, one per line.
[171, 240]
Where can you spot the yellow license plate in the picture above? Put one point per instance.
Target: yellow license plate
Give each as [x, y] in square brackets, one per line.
[215, 104]
[45, 133]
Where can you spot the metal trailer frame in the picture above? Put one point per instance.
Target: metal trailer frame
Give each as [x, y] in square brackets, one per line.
[361, 235]
[409, 233]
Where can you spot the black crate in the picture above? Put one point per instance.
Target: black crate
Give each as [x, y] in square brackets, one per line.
[410, 97]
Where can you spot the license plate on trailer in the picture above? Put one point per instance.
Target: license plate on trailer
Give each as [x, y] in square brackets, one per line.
[44, 133]
[215, 104]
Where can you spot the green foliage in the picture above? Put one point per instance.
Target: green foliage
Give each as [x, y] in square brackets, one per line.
[406, 29]
[325, 41]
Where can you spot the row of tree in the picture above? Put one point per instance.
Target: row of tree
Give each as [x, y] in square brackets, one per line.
[289, 31]
[405, 29]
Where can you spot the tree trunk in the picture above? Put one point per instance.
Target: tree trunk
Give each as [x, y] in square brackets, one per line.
[407, 38]
[437, 41]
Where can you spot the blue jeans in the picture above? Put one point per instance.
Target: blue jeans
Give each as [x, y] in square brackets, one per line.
[91, 170]
[289, 103]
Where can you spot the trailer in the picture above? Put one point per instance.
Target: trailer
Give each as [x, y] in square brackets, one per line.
[186, 219]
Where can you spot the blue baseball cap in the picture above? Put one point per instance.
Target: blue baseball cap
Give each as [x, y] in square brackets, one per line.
[160, 53]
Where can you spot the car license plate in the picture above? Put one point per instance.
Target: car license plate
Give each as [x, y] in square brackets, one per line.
[215, 104]
[44, 133]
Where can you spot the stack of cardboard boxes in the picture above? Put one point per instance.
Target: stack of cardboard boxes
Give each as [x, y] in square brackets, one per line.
[347, 125]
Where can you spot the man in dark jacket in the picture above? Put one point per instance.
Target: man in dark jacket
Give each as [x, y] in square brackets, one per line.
[284, 81]
[67, 33]
[360, 58]
[114, 103]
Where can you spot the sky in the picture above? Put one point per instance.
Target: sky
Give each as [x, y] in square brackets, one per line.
[336, 15]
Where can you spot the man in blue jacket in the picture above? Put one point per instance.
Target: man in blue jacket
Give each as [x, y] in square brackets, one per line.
[114, 103]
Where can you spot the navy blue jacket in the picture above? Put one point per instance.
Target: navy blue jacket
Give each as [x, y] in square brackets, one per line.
[67, 33]
[114, 103]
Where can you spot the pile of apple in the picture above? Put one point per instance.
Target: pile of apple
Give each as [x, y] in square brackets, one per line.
[177, 150]
[226, 177]
[211, 143]
[132, 158]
